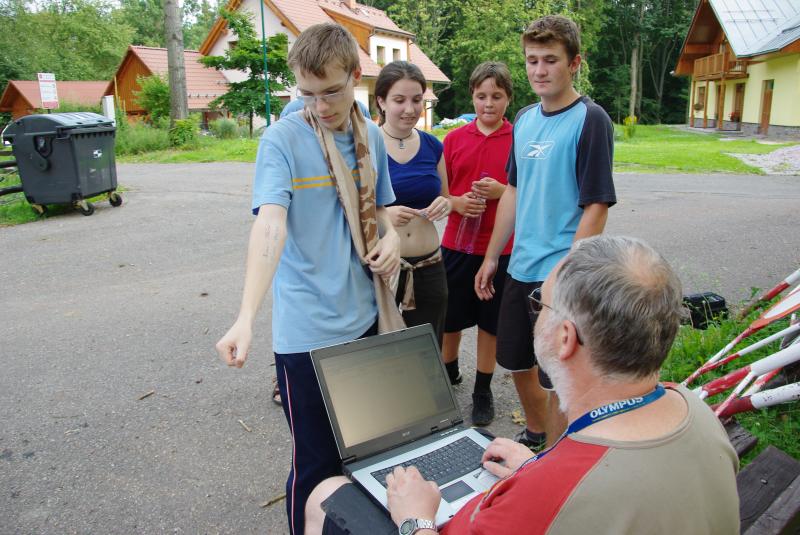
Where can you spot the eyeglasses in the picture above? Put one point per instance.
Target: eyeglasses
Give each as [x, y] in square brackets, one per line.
[535, 302]
[535, 305]
[327, 98]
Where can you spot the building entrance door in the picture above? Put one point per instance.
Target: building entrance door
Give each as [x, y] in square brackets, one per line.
[766, 106]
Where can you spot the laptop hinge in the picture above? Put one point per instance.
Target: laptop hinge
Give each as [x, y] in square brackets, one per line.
[434, 429]
[349, 460]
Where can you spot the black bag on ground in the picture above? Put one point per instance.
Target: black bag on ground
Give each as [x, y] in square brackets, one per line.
[704, 308]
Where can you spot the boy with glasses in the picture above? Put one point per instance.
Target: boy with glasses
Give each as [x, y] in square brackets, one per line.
[322, 232]
[560, 187]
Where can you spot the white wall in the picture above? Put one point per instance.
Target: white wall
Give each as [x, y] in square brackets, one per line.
[272, 24]
[388, 43]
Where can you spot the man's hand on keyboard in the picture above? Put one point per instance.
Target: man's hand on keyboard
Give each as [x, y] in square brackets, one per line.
[503, 456]
[410, 496]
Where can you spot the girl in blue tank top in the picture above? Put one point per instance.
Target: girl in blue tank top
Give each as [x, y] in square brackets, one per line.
[419, 180]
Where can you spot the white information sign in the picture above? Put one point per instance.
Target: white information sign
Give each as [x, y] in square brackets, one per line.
[47, 90]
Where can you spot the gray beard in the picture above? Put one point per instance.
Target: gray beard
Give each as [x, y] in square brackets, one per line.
[549, 363]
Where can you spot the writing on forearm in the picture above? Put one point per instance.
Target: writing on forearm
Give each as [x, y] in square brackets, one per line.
[271, 244]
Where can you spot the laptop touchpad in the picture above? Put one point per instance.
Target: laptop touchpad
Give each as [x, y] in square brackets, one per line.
[456, 491]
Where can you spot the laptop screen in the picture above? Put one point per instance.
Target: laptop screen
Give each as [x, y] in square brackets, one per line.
[385, 384]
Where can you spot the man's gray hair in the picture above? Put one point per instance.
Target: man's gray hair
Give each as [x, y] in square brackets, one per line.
[625, 301]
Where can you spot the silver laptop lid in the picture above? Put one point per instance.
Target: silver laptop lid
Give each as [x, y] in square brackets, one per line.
[385, 391]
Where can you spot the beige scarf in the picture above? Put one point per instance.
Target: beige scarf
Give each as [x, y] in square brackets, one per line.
[359, 205]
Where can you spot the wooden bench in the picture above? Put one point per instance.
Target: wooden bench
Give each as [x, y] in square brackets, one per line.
[769, 488]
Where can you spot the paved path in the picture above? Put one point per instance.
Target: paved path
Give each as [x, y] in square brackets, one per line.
[99, 311]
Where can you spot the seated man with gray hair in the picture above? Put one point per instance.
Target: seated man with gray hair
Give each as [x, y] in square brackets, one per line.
[637, 456]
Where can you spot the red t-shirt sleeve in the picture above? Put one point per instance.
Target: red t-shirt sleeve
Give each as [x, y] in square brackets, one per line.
[528, 502]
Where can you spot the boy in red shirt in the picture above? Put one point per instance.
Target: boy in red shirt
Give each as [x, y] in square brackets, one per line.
[476, 156]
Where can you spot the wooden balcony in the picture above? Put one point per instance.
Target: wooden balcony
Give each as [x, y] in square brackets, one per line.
[717, 66]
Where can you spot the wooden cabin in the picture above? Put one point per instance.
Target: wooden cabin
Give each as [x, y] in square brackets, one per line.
[203, 84]
[22, 97]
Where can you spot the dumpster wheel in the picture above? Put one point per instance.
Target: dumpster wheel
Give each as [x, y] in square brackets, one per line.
[40, 209]
[86, 208]
[115, 199]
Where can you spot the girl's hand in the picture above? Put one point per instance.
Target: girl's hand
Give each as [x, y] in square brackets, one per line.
[401, 215]
[438, 209]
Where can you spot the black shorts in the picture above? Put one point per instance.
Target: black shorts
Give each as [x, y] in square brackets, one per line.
[515, 329]
[464, 309]
[430, 295]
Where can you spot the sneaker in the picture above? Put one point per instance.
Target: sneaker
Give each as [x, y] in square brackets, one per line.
[533, 441]
[482, 408]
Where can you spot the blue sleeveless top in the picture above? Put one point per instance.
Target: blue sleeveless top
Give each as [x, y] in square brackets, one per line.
[416, 183]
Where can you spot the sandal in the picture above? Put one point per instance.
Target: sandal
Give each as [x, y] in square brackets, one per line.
[276, 393]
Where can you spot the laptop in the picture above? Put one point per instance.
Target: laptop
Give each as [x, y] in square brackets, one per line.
[390, 403]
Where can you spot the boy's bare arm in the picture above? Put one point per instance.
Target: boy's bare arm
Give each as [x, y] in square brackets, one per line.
[267, 238]
[503, 227]
[592, 222]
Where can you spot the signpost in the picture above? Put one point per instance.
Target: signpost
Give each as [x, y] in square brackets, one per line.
[47, 90]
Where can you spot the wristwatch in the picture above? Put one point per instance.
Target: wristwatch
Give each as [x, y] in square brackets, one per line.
[412, 525]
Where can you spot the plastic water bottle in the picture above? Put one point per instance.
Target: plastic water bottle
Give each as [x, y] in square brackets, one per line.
[468, 230]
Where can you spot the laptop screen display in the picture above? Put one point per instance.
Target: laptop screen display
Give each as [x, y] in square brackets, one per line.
[385, 388]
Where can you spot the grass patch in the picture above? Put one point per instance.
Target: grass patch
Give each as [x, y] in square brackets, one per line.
[663, 149]
[778, 426]
[206, 149]
[654, 149]
[15, 209]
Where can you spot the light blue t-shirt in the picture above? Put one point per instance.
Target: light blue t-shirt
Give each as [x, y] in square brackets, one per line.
[560, 161]
[322, 294]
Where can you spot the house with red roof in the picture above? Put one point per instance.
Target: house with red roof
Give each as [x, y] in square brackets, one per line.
[22, 97]
[380, 40]
[202, 83]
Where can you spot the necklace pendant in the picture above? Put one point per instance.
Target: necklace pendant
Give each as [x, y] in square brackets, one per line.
[402, 144]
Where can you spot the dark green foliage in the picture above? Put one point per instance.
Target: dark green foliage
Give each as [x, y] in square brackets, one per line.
[204, 13]
[153, 96]
[74, 39]
[247, 97]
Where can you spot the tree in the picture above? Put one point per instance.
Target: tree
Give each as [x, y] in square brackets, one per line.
[153, 96]
[428, 20]
[147, 19]
[199, 17]
[173, 30]
[247, 97]
[74, 39]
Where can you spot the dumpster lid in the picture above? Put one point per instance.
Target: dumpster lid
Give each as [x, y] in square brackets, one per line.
[70, 120]
[54, 123]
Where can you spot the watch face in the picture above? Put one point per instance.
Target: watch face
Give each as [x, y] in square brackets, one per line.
[407, 526]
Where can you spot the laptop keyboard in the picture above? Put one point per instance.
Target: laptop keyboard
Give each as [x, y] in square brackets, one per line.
[442, 465]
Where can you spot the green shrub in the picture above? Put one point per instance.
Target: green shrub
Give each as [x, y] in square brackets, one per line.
[153, 96]
[185, 132]
[224, 128]
[630, 126]
[68, 107]
[138, 138]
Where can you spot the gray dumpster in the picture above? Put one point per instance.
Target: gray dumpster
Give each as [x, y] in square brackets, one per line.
[65, 158]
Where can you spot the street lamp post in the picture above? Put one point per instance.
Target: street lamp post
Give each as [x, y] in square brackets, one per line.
[266, 69]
